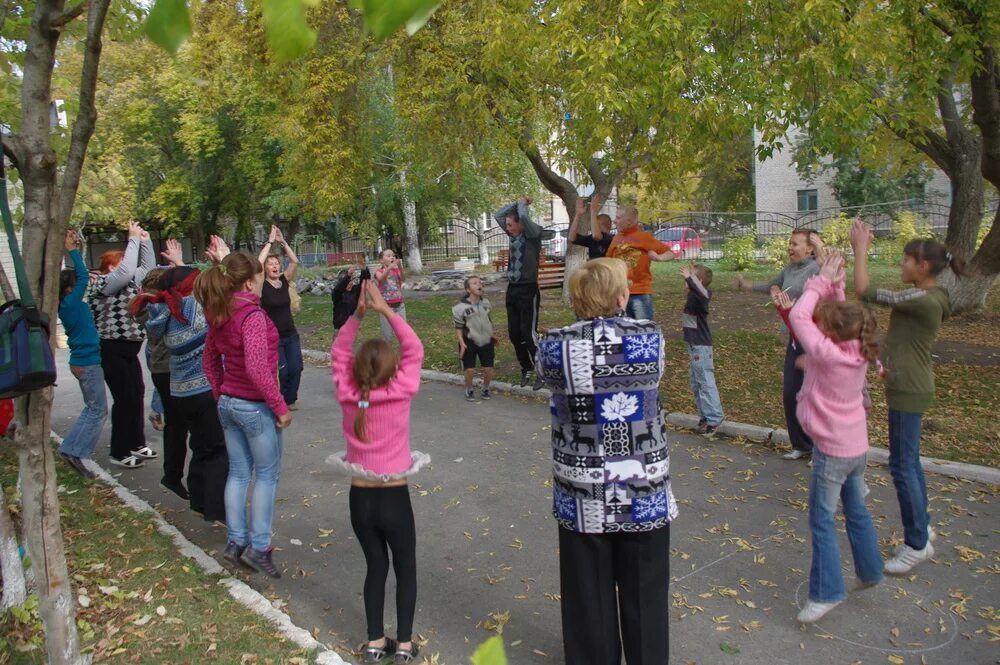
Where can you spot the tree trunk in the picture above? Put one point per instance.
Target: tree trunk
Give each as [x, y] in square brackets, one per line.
[48, 203]
[414, 263]
[484, 250]
[966, 214]
[15, 592]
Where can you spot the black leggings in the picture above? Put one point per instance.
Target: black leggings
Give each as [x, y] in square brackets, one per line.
[382, 519]
[123, 374]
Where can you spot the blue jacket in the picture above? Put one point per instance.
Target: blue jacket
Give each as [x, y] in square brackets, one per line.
[77, 319]
[186, 344]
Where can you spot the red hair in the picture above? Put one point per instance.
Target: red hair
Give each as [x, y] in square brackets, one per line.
[109, 260]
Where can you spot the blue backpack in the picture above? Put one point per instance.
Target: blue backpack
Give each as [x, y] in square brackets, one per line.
[26, 360]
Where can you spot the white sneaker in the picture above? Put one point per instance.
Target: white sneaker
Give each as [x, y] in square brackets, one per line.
[814, 611]
[907, 557]
[794, 453]
[931, 534]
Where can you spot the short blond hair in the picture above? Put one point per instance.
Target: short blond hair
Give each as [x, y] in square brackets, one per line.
[596, 288]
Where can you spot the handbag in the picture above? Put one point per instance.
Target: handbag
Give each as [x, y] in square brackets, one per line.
[26, 360]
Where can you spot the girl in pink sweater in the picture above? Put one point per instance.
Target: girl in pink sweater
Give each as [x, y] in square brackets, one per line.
[839, 343]
[375, 389]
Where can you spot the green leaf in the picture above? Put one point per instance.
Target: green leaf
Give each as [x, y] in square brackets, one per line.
[168, 24]
[490, 652]
[288, 33]
[384, 17]
[729, 649]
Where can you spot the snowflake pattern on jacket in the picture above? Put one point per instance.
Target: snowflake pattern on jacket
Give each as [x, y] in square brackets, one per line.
[610, 455]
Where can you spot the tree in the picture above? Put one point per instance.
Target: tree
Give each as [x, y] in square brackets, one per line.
[595, 90]
[49, 193]
[925, 74]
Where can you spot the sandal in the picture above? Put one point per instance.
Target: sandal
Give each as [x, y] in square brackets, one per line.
[130, 462]
[404, 656]
[145, 453]
[378, 654]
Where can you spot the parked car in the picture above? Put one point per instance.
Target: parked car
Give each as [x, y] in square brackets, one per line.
[554, 242]
[684, 241]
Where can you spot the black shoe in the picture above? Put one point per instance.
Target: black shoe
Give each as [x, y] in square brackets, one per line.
[176, 487]
[702, 426]
[404, 656]
[233, 552]
[260, 561]
[486, 393]
[525, 377]
[378, 654]
[77, 465]
[539, 383]
[470, 396]
[710, 431]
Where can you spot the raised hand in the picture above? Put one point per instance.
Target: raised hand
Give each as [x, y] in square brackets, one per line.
[832, 265]
[70, 241]
[861, 237]
[685, 271]
[581, 206]
[527, 200]
[375, 299]
[273, 235]
[134, 230]
[174, 253]
[596, 202]
[217, 249]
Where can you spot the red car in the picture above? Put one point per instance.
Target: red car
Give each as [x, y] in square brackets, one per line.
[684, 242]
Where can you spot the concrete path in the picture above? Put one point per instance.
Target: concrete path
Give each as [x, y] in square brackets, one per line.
[487, 545]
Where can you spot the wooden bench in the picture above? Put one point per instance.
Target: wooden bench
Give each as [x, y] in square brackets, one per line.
[551, 274]
[500, 262]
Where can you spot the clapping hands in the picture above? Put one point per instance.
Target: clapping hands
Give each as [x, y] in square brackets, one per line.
[831, 265]
[174, 253]
[217, 249]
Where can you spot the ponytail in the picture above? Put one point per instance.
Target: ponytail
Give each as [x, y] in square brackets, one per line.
[214, 288]
[374, 365]
[868, 337]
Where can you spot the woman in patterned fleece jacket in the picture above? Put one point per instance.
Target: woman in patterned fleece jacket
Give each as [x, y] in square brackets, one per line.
[611, 466]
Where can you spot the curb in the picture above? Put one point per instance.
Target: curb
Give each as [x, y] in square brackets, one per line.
[960, 470]
[244, 594]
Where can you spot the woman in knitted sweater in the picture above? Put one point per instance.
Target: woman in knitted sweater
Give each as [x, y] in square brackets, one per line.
[839, 343]
[375, 389]
[112, 291]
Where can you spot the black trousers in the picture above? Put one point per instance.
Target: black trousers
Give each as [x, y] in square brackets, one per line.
[522, 322]
[209, 466]
[382, 519]
[792, 385]
[175, 432]
[607, 580]
[123, 374]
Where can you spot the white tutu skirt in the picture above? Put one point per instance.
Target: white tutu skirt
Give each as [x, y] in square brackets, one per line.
[339, 461]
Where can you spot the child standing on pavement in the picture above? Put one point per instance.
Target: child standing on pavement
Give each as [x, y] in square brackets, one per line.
[375, 388]
[914, 323]
[838, 339]
[84, 361]
[389, 277]
[698, 336]
[474, 329]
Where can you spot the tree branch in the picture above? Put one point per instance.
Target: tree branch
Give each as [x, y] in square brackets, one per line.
[68, 15]
[937, 22]
[86, 118]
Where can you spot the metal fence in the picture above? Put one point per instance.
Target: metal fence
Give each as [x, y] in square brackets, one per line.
[459, 238]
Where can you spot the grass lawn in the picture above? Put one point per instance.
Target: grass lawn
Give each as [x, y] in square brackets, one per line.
[138, 600]
[962, 424]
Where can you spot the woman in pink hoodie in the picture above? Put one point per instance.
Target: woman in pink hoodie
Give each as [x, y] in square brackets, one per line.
[375, 388]
[839, 343]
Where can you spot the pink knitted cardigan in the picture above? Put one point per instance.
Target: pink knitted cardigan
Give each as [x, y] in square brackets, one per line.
[387, 421]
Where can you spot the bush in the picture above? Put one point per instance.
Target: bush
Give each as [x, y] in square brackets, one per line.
[908, 227]
[776, 251]
[836, 233]
[738, 252]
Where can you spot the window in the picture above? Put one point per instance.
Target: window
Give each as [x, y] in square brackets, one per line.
[808, 199]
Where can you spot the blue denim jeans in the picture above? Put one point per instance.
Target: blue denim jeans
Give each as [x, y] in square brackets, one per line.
[253, 442]
[842, 477]
[640, 306]
[706, 393]
[82, 438]
[908, 475]
[290, 367]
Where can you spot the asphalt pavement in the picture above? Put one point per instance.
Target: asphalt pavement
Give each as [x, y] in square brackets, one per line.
[487, 544]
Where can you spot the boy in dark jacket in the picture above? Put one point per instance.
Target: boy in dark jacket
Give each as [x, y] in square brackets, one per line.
[698, 336]
[345, 293]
